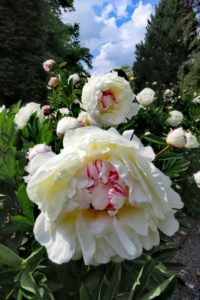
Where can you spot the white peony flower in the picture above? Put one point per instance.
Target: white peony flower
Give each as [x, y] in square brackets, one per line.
[75, 78]
[2, 108]
[25, 112]
[197, 178]
[109, 99]
[48, 65]
[101, 198]
[65, 124]
[176, 117]
[146, 97]
[176, 138]
[191, 140]
[196, 100]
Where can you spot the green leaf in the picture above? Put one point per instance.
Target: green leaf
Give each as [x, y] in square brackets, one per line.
[155, 139]
[110, 282]
[25, 204]
[142, 280]
[85, 293]
[161, 289]
[9, 258]
[33, 261]
[27, 282]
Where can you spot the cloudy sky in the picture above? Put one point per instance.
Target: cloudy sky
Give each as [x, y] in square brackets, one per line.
[111, 29]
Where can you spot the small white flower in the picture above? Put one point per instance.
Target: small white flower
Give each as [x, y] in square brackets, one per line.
[109, 99]
[168, 93]
[154, 83]
[48, 65]
[191, 140]
[176, 138]
[25, 112]
[146, 97]
[65, 124]
[196, 100]
[176, 117]
[64, 111]
[75, 78]
[2, 108]
[197, 178]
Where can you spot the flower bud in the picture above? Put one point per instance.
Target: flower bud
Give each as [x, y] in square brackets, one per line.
[48, 65]
[46, 109]
[191, 140]
[53, 82]
[38, 149]
[146, 97]
[65, 124]
[176, 138]
[75, 78]
[197, 178]
[176, 117]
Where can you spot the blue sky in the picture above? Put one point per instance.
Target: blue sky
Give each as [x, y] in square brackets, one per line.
[111, 29]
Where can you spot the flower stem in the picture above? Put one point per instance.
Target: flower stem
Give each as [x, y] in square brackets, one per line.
[163, 150]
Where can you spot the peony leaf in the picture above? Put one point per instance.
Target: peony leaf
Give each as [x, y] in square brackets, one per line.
[166, 287]
[9, 258]
[110, 282]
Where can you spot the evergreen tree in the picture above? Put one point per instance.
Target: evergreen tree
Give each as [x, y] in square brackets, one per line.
[31, 32]
[166, 46]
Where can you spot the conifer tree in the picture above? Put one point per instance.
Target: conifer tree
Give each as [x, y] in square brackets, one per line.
[166, 45]
[31, 32]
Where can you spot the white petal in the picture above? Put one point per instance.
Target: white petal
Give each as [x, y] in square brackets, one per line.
[169, 225]
[86, 240]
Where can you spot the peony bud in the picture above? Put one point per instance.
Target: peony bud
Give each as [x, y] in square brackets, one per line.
[168, 93]
[176, 117]
[46, 109]
[146, 97]
[65, 124]
[53, 82]
[191, 140]
[38, 149]
[197, 178]
[48, 65]
[177, 138]
[75, 78]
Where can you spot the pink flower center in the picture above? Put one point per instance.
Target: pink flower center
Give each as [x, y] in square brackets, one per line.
[107, 99]
[104, 188]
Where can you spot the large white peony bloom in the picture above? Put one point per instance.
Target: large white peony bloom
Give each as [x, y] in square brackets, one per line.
[101, 198]
[176, 117]
[25, 112]
[109, 99]
[146, 97]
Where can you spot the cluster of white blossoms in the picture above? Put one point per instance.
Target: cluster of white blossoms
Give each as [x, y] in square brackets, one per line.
[25, 112]
[101, 198]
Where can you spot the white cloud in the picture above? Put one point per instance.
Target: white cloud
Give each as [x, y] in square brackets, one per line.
[114, 43]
